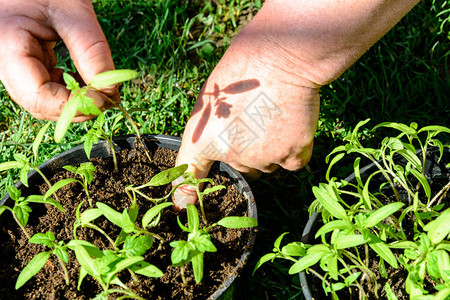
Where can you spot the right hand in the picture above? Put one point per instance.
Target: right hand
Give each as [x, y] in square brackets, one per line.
[29, 30]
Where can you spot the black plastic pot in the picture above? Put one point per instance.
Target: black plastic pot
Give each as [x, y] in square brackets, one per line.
[77, 155]
[433, 168]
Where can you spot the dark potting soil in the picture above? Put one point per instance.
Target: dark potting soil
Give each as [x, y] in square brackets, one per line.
[108, 187]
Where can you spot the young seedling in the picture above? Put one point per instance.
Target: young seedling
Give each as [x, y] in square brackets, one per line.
[23, 162]
[85, 171]
[86, 218]
[37, 263]
[199, 241]
[104, 266]
[21, 209]
[81, 102]
[125, 220]
[97, 132]
[189, 179]
[162, 178]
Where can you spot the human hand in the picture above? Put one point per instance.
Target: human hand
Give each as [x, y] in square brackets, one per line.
[281, 58]
[264, 121]
[28, 32]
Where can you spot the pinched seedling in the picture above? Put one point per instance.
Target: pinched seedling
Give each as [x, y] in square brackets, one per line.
[21, 209]
[83, 103]
[37, 263]
[199, 241]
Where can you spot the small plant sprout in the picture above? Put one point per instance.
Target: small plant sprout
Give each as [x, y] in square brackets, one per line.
[359, 221]
[37, 263]
[21, 209]
[23, 162]
[162, 178]
[104, 266]
[125, 220]
[199, 241]
[83, 103]
[85, 171]
[190, 180]
[97, 132]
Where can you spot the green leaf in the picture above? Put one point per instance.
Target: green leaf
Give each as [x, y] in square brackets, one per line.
[277, 242]
[38, 139]
[443, 264]
[213, 189]
[89, 139]
[57, 186]
[64, 120]
[62, 254]
[153, 212]
[109, 213]
[305, 262]
[14, 193]
[442, 294]
[90, 215]
[137, 245]
[112, 77]
[294, 249]
[335, 159]
[401, 127]
[390, 295]
[423, 181]
[40, 199]
[197, 267]
[22, 211]
[265, 258]
[81, 276]
[238, 222]
[382, 213]
[439, 228]
[127, 224]
[382, 250]
[126, 263]
[411, 157]
[86, 261]
[329, 201]
[167, 176]
[193, 219]
[71, 83]
[351, 278]
[146, 269]
[333, 225]
[90, 248]
[403, 245]
[348, 241]
[46, 239]
[33, 267]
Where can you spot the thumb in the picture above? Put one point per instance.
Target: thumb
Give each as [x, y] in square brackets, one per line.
[86, 42]
[198, 164]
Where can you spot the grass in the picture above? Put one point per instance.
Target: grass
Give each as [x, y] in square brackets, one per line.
[175, 45]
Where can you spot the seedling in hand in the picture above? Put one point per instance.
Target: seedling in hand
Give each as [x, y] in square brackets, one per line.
[21, 209]
[37, 263]
[199, 241]
[85, 171]
[189, 179]
[81, 102]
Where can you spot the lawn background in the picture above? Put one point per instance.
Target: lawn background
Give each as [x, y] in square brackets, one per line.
[176, 44]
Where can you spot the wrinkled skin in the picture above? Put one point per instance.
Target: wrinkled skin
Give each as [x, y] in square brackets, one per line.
[28, 32]
[258, 109]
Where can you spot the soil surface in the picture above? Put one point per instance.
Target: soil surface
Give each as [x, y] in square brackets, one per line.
[108, 187]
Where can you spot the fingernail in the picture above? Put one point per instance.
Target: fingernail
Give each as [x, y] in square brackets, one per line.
[183, 195]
